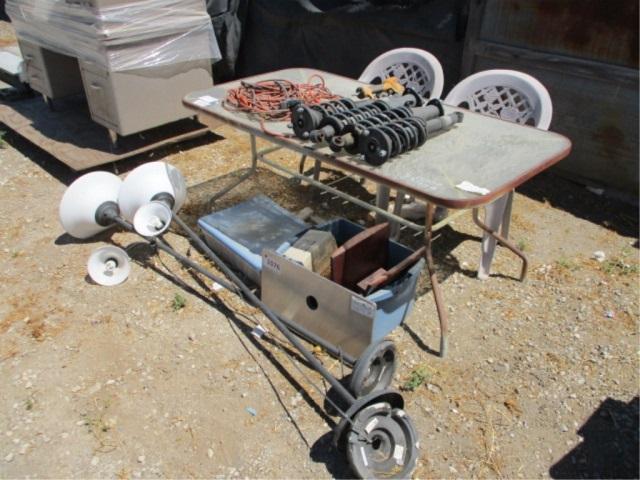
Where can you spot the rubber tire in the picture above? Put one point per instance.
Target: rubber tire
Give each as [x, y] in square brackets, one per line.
[361, 382]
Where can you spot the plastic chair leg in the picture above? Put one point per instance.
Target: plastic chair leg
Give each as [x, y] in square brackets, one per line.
[506, 220]
[494, 215]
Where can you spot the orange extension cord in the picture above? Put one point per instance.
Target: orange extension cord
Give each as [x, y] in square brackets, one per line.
[265, 98]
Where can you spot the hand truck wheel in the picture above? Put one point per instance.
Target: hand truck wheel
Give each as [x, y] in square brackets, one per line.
[382, 443]
[374, 369]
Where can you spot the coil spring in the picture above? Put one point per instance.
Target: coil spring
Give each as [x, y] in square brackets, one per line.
[381, 118]
[333, 107]
[381, 142]
[355, 129]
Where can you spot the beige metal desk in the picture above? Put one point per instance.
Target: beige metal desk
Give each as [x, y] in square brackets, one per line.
[487, 152]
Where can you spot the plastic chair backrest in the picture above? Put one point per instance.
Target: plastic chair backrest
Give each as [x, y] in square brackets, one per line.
[506, 94]
[413, 67]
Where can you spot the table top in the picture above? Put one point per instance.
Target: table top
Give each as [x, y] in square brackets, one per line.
[487, 152]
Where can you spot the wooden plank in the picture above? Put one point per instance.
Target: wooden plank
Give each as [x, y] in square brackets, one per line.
[576, 66]
[474, 24]
[360, 256]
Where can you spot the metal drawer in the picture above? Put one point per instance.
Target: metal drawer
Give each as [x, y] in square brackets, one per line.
[37, 80]
[38, 83]
[100, 98]
[32, 55]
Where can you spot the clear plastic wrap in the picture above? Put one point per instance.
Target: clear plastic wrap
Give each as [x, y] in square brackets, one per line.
[118, 34]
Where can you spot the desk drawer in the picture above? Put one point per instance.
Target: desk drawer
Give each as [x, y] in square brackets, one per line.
[100, 97]
[32, 55]
[38, 80]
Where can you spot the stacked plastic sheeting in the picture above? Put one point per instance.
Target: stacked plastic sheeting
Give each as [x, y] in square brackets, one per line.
[119, 35]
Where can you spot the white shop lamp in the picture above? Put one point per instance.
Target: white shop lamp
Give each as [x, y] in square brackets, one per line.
[151, 182]
[89, 205]
[93, 203]
[109, 266]
[152, 219]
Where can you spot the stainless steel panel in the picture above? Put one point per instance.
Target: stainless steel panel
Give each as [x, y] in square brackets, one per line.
[323, 307]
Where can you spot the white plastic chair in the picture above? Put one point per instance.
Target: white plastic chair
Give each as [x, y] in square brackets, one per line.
[414, 68]
[512, 96]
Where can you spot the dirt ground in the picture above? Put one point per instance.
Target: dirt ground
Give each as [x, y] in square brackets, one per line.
[132, 382]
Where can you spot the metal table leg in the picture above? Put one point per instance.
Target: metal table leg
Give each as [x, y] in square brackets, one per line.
[503, 241]
[435, 286]
[252, 170]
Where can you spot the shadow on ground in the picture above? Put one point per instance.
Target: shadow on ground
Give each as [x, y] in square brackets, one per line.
[323, 451]
[574, 198]
[66, 175]
[610, 444]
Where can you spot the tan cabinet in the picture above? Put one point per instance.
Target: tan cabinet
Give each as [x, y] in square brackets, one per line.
[135, 100]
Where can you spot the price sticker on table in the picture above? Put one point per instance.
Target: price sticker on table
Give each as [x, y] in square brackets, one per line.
[206, 101]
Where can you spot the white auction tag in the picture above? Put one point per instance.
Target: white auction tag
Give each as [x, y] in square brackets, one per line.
[205, 101]
[398, 454]
[371, 425]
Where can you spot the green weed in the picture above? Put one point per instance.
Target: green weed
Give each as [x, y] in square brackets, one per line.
[178, 303]
[567, 264]
[417, 377]
[523, 245]
[617, 266]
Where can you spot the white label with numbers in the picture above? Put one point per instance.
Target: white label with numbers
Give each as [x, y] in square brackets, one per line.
[271, 264]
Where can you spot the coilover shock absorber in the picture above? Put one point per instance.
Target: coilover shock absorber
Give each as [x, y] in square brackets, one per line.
[334, 124]
[305, 118]
[378, 144]
[349, 137]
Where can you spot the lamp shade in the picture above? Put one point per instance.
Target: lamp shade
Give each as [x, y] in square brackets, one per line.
[109, 266]
[152, 219]
[147, 181]
[82, 199]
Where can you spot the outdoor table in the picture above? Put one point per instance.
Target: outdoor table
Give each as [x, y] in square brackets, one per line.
[487, 152]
